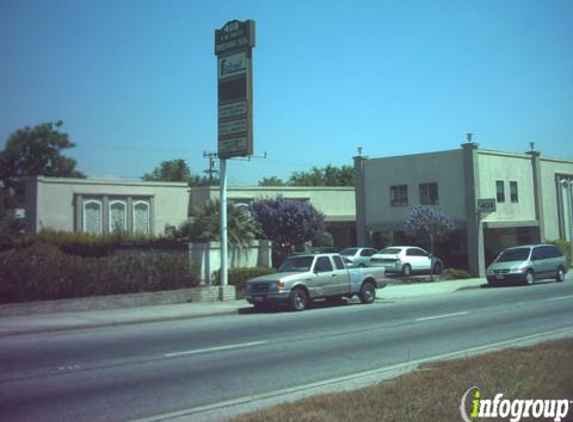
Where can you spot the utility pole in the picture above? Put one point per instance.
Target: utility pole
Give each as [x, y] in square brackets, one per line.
[212, 170]
[223, 222]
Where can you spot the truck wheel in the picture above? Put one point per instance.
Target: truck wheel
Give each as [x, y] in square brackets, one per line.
[367, 293]
[406, 270]
[298, 299]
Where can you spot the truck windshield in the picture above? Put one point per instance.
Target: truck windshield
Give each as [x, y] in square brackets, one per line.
[517, 254]
[297, 264]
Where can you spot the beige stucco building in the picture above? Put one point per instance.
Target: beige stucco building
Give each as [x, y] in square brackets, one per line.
[101, 206]
[532, 195]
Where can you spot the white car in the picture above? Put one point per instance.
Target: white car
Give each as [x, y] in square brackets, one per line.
[406, 260]
[357, 257]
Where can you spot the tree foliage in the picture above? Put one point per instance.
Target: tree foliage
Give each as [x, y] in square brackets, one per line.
[35, 151]
[169, 171]
[271, 181]
[326, 176]
[429, 225]
[287, 222]
[177, 170]
[205, 225]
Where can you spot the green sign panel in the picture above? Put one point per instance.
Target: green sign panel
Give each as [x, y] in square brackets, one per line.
[233, 47]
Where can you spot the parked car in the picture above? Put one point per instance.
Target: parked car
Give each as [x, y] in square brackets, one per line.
[303, 278]
[357, 257]
[526, 264]
[406, 260]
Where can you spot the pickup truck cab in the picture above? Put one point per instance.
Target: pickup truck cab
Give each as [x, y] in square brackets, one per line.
[303, 278]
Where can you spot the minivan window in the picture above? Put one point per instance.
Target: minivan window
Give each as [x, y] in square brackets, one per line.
[538, 253]
[515, 254]
[550, 252]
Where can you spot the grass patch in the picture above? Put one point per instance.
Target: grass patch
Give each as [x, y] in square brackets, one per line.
[434, 392]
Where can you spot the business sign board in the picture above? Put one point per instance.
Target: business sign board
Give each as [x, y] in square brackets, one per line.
[233, 47]
[233, 65]
[487, 205]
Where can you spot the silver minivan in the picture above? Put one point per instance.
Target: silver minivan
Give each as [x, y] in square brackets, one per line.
[526, 264]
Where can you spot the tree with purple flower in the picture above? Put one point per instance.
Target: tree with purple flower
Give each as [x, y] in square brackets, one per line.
[287, 223]
[429, 225]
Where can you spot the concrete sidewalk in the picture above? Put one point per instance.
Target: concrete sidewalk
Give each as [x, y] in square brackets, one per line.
[62, 321]
[422, 289]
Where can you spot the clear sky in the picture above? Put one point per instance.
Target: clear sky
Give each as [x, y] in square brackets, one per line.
[135, 80]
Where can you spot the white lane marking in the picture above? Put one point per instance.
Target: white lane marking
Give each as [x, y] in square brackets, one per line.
[214, 349]
[303, 390]
[69, 368]
[441, 316]
[561, 298]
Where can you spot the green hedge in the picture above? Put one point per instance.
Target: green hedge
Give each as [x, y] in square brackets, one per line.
[45, 272]
[85, 244]
[238, 277]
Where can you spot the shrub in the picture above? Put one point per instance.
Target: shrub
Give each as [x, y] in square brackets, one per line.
[45, 272]
[205, 227]
[383, 239]
[455, 274]
[324, 239]
[565, 247]
[238, 277]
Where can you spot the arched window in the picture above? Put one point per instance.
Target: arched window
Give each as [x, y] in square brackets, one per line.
[117, 216]
[141, 216]
[92, 217]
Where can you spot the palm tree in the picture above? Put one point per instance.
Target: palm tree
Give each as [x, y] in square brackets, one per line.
[204, 227]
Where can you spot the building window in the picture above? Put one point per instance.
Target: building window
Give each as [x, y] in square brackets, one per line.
[117, 216]
[428, 193]
[399, 196]
[500, 190]
[108, 214]
[141, 216]
[93, 217]
[513, 192]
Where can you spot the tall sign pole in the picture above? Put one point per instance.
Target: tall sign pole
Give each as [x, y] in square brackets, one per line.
[234, 44]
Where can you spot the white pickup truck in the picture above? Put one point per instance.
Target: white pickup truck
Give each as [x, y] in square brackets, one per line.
[303, 278]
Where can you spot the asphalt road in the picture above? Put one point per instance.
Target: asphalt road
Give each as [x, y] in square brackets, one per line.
[139, 371]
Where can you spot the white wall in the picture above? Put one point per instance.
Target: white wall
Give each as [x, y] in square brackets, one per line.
[550, 168]
[336, 203]
[53, 200]
[444, 168]
[494, 165]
